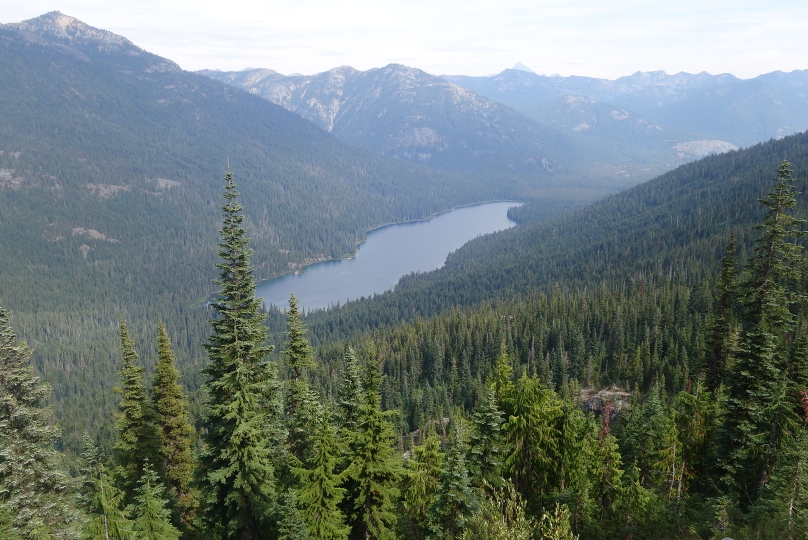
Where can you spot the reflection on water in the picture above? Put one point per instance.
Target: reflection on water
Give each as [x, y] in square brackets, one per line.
[388, 254]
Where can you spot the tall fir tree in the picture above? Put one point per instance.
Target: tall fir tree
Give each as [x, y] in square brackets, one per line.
[720, 342]
[302, 403]
[138, 440]
[377, 467]
[487, 442]
[757, 411]
[454, 499]
[34, 491]
[174, 431]
[421, 480]
[237, 475]
[320, 493]
[349, 398]
[102, 500]
[151, 518]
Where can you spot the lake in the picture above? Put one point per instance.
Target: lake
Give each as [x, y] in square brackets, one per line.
[389, 253]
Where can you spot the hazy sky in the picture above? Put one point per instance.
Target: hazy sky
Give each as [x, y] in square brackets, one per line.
[598, 38]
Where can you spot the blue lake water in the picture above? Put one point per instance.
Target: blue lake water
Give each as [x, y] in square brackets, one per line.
[388, 254]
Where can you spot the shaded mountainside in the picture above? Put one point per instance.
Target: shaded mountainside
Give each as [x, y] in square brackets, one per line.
[723, 107]
[667, 228]
[406, 113]
[111, 160]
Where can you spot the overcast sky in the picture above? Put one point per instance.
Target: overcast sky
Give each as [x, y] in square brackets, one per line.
[596, 38]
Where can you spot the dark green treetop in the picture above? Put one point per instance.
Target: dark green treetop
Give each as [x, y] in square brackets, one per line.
[237, 474]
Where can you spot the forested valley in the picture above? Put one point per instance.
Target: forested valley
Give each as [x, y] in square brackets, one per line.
[668, 406]
[636, 368]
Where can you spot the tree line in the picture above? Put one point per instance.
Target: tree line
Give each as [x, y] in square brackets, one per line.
[475, 424]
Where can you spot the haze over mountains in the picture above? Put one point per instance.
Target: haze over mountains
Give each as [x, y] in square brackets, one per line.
[742, 112]
[631, 128]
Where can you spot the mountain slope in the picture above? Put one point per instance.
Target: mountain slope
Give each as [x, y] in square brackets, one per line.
[723, 107]
[663, 229]
[406, 113]
[111, 162]
[623, 131]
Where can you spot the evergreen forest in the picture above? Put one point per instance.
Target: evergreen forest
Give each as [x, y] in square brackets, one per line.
[674, 405]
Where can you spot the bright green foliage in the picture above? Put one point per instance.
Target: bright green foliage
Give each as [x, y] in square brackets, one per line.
[174, 430]
[556, 525]
[502, 515]
[695, 415]
[34, 492]
[720, 342]
[651, 443]
[533, 438]
[454, 498]
[152, 520]
[291, 525]
[237, 475]
[320, 493]
[377, 467]
[102, 500]
[138, 439]
[487, 442]
[607, 477]
[579, 441]
[420, 483]
[758, 413]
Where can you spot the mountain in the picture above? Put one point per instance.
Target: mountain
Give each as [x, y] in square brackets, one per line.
[640, 91]
[111, 166]
[673, 228]
[710, 107]
[623, 131]
[744, 112]
[406, 113]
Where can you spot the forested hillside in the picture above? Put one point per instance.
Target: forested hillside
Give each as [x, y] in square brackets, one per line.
[672, 406]
[666, 228]
[110, 165]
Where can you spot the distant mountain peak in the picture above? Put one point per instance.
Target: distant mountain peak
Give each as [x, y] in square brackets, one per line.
[57, 26]
[521, 67]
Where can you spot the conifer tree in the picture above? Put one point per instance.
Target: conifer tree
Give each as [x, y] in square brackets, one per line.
[350, 398]
[34, 492]
[556, 525]
[237, 475]
[102, 500]
[138, 440]
[487, 442]
[320, 492]
[454, 499]
[174, 430]
[782, 511]
[420, 483]
[503, 514]
[757, 409]
[302, 403]
[532, 433]
[152, 520]
[376, 468]
[291, 525]
[720, 331]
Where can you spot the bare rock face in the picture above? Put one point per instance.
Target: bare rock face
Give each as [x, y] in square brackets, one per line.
[613, 399]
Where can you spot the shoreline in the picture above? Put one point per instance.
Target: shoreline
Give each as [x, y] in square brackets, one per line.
[299, 270]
